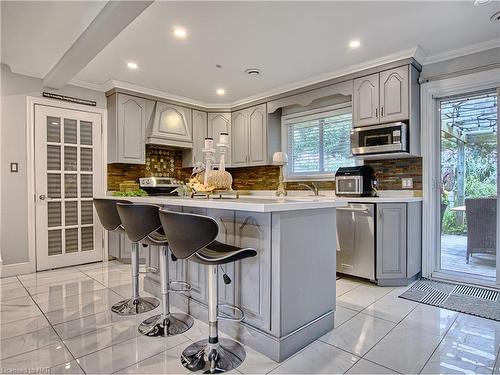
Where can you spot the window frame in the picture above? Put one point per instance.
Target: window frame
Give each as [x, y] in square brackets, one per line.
[310, 115]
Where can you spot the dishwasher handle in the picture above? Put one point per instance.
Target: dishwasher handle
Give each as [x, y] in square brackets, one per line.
[353, 209]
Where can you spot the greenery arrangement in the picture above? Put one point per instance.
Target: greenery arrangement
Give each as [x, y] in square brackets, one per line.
[131, 193]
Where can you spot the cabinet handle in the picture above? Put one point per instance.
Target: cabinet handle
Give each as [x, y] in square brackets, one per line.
[382, 112]
[376, 112]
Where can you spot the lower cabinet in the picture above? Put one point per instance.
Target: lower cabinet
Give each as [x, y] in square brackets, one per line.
[399, 227]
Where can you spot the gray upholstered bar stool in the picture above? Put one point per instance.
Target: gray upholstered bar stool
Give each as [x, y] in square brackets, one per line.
[110, 220]
[193, 236]
[142, 225]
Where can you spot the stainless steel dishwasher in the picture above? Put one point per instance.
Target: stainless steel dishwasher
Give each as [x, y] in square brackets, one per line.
[356, 240]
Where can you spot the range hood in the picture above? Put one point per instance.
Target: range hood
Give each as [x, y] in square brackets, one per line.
[169, 125]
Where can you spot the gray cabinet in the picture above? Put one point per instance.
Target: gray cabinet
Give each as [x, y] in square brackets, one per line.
[200, 130]
[386, 96]
[253, 275]
[127, 119]
[366, 100]
[249, 137]
[220, 123]
[391, 241]
[172, 125]
[394, 95]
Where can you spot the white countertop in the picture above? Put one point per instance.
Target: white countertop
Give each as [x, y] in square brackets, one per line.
[381, 199]
[246, 203]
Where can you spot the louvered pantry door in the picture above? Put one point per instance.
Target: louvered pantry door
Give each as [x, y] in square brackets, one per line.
[68, 172]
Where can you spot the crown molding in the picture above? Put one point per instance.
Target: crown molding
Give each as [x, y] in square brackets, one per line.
[462, 51]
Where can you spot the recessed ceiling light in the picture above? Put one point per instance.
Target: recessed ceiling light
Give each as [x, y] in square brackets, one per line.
[481, 2]
[354, 43]
[132, 65]
[221, 91]
[180, 33]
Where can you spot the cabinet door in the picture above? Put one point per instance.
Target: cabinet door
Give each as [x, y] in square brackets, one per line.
[239, 145]
[131, 130]
[257, 125]
[191, 156]
[195, 273]
[174, 122]
[366, 100]
[225, 219]
[391, 241]
[254, 274]
[394, 95]
[220, 123]
[114, 244]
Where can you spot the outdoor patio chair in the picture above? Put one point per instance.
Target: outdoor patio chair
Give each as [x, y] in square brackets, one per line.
[481, 226]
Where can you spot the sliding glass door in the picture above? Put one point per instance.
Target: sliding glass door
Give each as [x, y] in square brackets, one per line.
[469, 186]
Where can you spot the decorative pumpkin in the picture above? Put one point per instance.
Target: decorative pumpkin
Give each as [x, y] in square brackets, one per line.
[221, 180]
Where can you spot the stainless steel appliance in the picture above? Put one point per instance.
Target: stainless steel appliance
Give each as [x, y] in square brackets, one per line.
[158, 185]
[380, 139]
[356, 240]
[354, 181]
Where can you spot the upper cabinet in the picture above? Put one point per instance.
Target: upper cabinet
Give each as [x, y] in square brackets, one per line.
[171, 126]
[200, 131]
[384, 97]
[220, 123]
[127, 119]
[254, 138]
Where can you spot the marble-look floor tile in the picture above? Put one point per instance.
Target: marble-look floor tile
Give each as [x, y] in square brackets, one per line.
[344, 285]
[496, 370]
[48, 356]
[125, 290]
[18, 309]
[9, 280]
[70, 272]
[67, 368]
[167, 362]
[102, 266]
[362, 296]
[127, 353]
[22, 327]
[11, 291]
[359, 334]
[256, 363]
[317, 358]
[55, 279]
[342, 315]
[67, 289]
[470, 346]
[102, 338]
[410, 344]
[16, 345]
[391, 307]
[52, 302]
[78, 327]
[366, 367]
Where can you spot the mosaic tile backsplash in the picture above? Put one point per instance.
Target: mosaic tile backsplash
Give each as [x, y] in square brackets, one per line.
[168, 163]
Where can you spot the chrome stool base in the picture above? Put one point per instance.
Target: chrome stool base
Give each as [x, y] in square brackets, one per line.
[224, 356]
[164, 326]
[135, 306]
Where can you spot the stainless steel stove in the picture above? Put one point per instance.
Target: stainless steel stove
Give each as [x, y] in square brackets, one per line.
[159, 185]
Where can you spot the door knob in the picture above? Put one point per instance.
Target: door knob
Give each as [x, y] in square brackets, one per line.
[42, 197]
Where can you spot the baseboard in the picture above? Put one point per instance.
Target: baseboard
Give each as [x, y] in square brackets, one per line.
[7, 270]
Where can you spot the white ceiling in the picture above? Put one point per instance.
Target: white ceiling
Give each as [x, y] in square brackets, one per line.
[35, 34]
[289, 41]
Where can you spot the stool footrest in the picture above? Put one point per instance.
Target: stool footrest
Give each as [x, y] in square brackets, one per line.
[182, 286]
[149, 270]
[229, 318]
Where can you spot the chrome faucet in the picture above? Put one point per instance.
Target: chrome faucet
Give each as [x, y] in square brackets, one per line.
[312, 187]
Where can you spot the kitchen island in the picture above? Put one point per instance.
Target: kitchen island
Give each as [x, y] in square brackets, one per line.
[287, 292]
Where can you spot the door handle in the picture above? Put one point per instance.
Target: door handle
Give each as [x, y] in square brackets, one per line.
[376, 112]
[382, 112]
[42, 197]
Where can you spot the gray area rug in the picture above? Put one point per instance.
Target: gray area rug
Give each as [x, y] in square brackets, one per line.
[466, 299]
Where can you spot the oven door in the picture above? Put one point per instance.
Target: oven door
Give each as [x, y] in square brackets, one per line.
[380, 139]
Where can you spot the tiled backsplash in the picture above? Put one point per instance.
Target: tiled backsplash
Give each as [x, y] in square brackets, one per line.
[164, 162]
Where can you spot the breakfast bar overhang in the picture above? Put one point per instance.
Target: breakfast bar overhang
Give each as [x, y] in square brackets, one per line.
[287, 292]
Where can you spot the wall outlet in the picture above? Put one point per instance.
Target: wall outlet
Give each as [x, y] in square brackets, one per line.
[407, 183]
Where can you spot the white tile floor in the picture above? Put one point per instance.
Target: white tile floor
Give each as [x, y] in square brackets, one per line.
[61, 320]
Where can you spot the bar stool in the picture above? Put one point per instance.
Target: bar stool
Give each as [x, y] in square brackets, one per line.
[193, 236]
[142, 225]
[110, 220]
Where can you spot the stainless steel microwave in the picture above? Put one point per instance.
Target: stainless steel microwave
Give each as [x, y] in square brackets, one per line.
[380, 139]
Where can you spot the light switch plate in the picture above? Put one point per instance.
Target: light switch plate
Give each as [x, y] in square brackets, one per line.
[407, 183]
[14, 167]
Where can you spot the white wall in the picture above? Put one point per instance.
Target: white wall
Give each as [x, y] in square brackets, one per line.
[13, 186]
